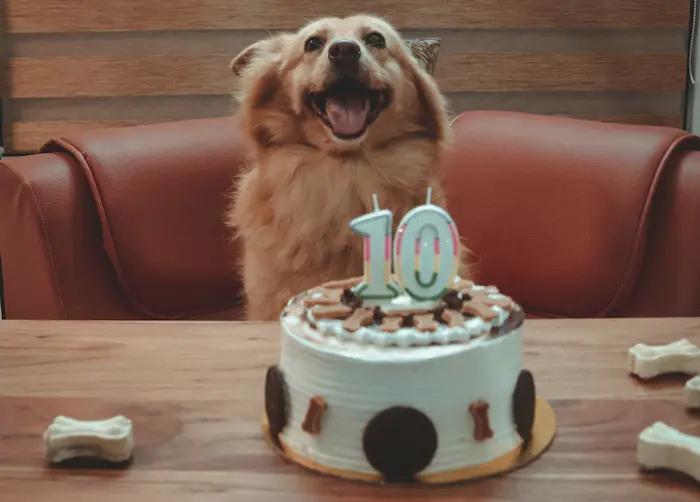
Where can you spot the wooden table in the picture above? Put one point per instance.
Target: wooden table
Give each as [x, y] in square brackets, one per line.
[194, 392]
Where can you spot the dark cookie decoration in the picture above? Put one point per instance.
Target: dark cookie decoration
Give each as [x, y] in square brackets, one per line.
[378, 315]
[407, 321]
[400, 442]
[350, 299]
[276, 402]
[453, 300]
[524, 398]
[514, 320]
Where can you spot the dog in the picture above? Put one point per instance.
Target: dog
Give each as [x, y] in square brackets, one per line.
[332, 114]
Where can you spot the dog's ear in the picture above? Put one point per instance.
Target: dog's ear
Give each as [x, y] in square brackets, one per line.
[268, 49]
[433, 115]
[246, 56]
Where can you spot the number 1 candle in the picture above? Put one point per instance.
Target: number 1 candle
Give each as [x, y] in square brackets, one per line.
[375, 227]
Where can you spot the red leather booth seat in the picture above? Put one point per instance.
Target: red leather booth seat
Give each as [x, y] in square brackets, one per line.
[572, 218]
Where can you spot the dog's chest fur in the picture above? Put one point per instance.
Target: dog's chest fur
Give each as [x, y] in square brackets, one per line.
[295, 206]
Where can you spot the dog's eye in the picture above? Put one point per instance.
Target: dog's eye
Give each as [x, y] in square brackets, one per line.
[375, 40]
[313, 44]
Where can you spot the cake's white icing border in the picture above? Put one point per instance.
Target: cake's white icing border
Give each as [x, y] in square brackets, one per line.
[407, 337]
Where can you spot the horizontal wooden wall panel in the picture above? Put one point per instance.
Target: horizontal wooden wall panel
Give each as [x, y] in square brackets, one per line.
[36, 16]
[36, 120]
[112, 76]
[138, 108]
[463, 41]
[155, 75]
[84, 64]
[561, 72]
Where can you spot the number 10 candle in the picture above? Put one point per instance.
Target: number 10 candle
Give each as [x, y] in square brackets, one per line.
[425, 252]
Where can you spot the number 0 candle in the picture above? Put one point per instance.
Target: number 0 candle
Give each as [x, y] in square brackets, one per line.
[375, 227]
[426, 251]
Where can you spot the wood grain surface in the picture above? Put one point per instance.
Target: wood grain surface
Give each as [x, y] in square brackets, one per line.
[122, 51]
[194, 392]
[182, 75]
[90, 15]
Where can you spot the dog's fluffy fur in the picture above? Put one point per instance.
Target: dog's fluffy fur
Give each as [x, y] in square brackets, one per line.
[303, 185]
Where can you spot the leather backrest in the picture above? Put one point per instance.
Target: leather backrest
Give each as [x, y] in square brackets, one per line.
[572, 218]
[161, 193]
[557, 210]
[53, 263]
[668, 282]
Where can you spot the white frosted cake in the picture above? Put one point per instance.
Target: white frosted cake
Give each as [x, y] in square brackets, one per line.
[401, 390]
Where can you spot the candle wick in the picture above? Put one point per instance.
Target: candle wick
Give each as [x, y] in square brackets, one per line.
[430, 193]
[375, 201]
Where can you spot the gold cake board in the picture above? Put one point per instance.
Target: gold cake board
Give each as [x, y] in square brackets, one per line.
[543, 432]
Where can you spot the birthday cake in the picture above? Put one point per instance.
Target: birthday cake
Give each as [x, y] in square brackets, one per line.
[414, 375]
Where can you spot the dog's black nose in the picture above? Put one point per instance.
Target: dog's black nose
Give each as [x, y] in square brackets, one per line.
[344, 54]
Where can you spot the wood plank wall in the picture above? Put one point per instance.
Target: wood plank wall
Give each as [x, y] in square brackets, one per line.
[96, 63]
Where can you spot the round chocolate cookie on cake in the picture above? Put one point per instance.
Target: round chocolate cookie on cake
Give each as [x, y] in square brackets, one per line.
[414, 375]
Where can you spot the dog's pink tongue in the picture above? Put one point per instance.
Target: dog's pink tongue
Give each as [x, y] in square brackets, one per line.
[347, 117]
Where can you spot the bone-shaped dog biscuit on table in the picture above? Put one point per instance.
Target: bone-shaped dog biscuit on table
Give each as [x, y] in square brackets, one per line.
[111, 439]
[648, 361]
[663, 447]
[691, 393]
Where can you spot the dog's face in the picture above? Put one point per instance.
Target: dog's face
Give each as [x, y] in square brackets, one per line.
[339, 84]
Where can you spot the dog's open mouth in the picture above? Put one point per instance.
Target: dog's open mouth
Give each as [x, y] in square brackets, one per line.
[348, 107]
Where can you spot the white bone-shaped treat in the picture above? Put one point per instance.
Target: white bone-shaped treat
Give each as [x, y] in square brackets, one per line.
[691, 393]
[648, 361]
[663, 447]
[111, 439]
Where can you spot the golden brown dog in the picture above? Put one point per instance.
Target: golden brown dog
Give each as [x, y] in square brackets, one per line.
[333, 113]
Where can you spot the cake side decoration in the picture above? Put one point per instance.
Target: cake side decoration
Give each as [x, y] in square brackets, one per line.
[276, 401]
[314, 414]
[524, 400]
[400, 442]
[479, 411]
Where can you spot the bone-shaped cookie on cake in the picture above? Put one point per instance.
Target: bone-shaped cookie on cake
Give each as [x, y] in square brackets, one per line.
[649, 361]
[663, 447]
[691, 393]
[111, 439]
